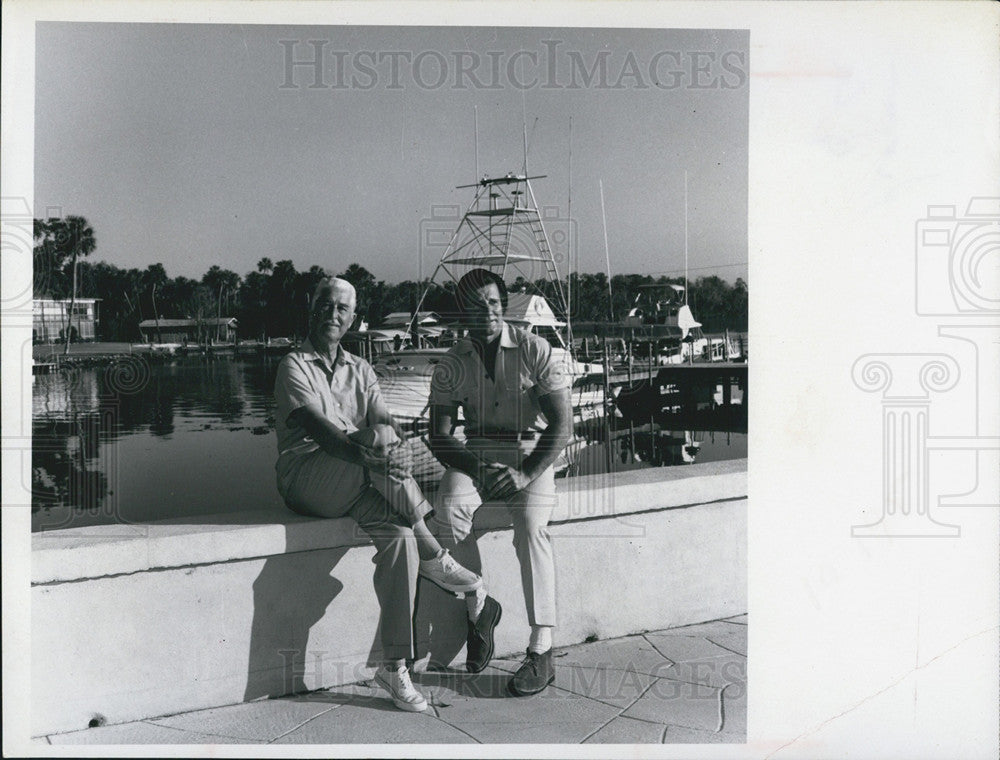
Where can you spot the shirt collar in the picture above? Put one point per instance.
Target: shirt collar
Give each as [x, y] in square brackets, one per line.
[309, 352]
[509, 338]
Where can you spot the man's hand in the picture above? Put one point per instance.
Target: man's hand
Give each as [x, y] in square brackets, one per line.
[400, 459]
[369, 458]
[500, 482]
[398, 428]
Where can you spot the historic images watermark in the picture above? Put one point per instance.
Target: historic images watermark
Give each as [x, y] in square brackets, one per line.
[957, 269]
[316, 64]
[701, 679]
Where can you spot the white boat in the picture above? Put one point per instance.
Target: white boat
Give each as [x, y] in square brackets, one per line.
[661, 314]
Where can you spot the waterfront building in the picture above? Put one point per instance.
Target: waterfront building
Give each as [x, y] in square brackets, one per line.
[51, 318]
[217, 329]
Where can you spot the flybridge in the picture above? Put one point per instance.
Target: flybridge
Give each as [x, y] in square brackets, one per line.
[502, 230]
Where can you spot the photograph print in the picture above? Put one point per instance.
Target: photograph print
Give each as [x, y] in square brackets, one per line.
[389, 384]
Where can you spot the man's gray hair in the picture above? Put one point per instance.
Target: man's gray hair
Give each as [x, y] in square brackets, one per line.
[333, 282]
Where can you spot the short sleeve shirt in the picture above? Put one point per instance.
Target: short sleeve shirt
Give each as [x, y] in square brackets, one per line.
[525, 370]
[346, 393]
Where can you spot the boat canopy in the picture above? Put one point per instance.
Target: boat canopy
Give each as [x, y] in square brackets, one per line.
[525, 308]
[403, 318]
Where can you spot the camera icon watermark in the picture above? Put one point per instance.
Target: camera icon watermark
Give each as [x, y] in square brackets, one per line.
[17, 245]
[958, 260]
[957, 270]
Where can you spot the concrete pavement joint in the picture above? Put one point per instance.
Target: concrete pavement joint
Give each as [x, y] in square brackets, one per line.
[670, 663]
[614, 670]
[459, 729]
[723, 646]
[697, 625]
[722, 710]
[653, 510]
[307, 720]
[689, 683]
[152, 722]
[621, 711]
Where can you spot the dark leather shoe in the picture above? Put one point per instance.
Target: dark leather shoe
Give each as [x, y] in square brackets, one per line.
[535, 673]
[479, 643]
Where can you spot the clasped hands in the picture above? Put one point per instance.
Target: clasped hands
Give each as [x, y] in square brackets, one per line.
[498, 482]
[395, 460]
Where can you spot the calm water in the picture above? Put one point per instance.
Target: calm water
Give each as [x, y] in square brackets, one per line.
[137, 441]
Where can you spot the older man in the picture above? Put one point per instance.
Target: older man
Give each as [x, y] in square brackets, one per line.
[515, 398]
[339, 454]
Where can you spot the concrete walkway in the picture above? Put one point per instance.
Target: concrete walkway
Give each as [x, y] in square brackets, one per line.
[681, 685]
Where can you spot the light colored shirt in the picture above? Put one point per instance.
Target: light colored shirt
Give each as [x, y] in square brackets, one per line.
[347, 394]
[525, 370]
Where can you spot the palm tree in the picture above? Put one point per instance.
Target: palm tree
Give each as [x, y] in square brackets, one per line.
[265, 265]
[80, 241]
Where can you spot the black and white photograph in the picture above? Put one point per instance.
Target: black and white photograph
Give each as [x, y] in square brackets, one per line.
[383, 380]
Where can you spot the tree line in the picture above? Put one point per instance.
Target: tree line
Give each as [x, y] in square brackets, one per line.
[272, 300]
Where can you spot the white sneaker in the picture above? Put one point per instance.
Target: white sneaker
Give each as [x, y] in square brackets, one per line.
[404, 694]
[448, 574]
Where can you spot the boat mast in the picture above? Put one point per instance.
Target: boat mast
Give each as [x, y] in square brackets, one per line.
[607, 254]
[685, 237]
[569, 241]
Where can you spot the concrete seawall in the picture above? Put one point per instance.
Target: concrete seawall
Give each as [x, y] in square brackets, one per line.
[136, 621]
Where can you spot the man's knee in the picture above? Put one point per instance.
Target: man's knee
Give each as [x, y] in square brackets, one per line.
[391, 532]
[528, 532]
[380, 436]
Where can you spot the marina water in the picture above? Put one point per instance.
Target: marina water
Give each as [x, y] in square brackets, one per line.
[135, 440]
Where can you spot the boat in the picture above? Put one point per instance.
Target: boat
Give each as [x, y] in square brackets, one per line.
[662, 314]
[277, 346]
[502, 231]
[660, 323]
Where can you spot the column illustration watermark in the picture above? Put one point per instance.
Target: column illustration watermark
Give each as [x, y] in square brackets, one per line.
[957, 276]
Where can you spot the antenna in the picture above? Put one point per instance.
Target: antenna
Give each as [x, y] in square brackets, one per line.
[607, 255]
[475, 111]
[524, 129]
[569, 241]
[685, 237]
[524, 142]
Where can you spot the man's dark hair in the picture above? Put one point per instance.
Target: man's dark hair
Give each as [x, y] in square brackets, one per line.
[472, 281]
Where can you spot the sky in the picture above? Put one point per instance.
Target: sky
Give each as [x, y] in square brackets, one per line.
[194, 144]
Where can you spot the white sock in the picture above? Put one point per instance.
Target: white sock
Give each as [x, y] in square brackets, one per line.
[541, 639]
[474, 603]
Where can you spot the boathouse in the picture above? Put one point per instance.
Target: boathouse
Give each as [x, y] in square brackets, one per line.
[51, 317]
[218, 329]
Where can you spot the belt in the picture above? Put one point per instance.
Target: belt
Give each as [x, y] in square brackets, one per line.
[505, 436]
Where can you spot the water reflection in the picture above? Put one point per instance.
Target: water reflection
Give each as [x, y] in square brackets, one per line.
[629, 448]
[137, 441]
[81, 419]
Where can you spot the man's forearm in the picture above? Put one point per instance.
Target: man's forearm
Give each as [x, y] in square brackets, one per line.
[550, 444]
[452, 453]
[330, 438]
[336, 443]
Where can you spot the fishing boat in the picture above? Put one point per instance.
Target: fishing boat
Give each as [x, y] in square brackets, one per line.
[501, 231]
[661, 314]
